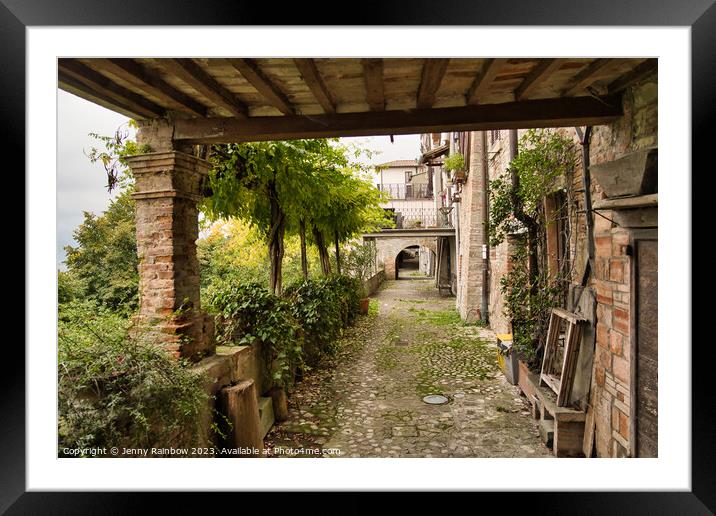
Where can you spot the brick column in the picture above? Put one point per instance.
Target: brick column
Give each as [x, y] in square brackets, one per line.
[167, 190]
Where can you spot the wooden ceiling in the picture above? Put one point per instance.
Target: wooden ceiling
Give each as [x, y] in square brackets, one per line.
[238, 99]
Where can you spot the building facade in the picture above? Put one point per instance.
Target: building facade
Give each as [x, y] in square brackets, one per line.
[612, 279]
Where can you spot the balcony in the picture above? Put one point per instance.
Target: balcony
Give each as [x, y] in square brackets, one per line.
[414, 218]
[408, 191]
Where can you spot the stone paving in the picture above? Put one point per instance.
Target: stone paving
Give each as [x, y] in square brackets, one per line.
[367, 400]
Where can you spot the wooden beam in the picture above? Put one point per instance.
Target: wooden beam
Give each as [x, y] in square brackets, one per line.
[373, 75]
[568, 112]
[433, 73]
[586, 76]
[103, 85]
[312, 77]
[151, 82]
[536, 77]
[482, 82]
[252, 73]
[192, 74]
[640, 72]
[71, 85]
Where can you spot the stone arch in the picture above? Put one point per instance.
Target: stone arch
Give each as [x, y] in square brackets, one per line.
[388, 249]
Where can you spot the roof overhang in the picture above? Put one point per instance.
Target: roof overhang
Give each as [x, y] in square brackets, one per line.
[222, 100]
[434, 153]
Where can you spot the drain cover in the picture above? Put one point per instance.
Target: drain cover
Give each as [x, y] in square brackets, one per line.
[435, 399]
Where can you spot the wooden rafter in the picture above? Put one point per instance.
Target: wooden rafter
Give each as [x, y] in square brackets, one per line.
[192, 74]
[101, 84]
[151, 82]
[75, 87]
[433, 73]
[373, 75]
[638, 73]
[575, 111]
[482, 82]
[312, 77]
[586, 76]
[541, 73]
[252, 73]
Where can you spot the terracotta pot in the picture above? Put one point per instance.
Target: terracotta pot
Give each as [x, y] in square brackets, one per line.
[364, 304]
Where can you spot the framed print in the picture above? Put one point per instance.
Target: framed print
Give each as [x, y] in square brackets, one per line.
[339, 241]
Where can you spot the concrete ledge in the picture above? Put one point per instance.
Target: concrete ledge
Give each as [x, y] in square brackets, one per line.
[232, 364]
[373, 283]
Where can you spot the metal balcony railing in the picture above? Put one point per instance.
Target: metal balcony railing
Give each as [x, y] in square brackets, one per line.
[410, 218]
[407, 191]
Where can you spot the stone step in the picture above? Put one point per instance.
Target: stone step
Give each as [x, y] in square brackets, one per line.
[265, 415]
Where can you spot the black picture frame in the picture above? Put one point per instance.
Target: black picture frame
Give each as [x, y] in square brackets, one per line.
[700, 15]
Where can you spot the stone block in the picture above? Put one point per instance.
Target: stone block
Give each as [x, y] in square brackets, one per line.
[546, 432]
[266, 415]
[239, 404]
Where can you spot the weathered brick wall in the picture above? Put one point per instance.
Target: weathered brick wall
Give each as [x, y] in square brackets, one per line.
[472, 236]
[167, 189]
[498, 159]
[611, 280]
[612, 382]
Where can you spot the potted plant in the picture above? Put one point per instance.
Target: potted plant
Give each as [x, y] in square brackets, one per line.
[455, 163]
[364, 300]
[360, 263]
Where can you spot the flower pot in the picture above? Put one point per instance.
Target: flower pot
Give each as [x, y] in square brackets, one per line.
[364, 304]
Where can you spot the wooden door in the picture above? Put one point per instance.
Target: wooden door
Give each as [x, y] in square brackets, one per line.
[645, 349]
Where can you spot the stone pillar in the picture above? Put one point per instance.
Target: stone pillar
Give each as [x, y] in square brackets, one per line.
[167, 189]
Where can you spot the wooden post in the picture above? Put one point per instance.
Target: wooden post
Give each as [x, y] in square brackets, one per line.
[280, 404]
[241, 408]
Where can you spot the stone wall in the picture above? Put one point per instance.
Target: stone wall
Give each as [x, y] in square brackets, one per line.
[611, 385]
[470, 264]
[610, 281]
[167, 189]
[388, 249]
[498, 159]
[372, 284]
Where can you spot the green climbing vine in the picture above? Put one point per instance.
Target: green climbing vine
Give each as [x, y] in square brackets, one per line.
[544, 165]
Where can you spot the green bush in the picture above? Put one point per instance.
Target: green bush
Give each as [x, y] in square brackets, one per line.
[294, 330]
[116, 389]
[324, 306]
[249, 314]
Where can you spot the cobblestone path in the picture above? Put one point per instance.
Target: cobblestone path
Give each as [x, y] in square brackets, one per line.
[367, 401]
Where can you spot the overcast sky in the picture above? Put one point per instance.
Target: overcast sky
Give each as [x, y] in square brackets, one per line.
[81, 185]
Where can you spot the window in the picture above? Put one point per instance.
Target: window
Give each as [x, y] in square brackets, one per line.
[558, 231]
[494, 136]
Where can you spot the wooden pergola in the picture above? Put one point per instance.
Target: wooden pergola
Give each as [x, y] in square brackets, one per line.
[182, 102]
[236, 99]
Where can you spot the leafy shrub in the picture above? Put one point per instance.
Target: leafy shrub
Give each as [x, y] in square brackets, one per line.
[250, 314]
[117, 389]
[347, 292]
[323, 307]
[293, 330]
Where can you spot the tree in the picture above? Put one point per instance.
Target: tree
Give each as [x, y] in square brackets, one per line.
[105, 258]
[288, 187]
[353, 207]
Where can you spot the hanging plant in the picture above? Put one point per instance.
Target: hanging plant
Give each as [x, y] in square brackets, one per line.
[454, 162]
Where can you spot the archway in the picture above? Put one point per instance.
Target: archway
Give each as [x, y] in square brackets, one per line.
[415, 262]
